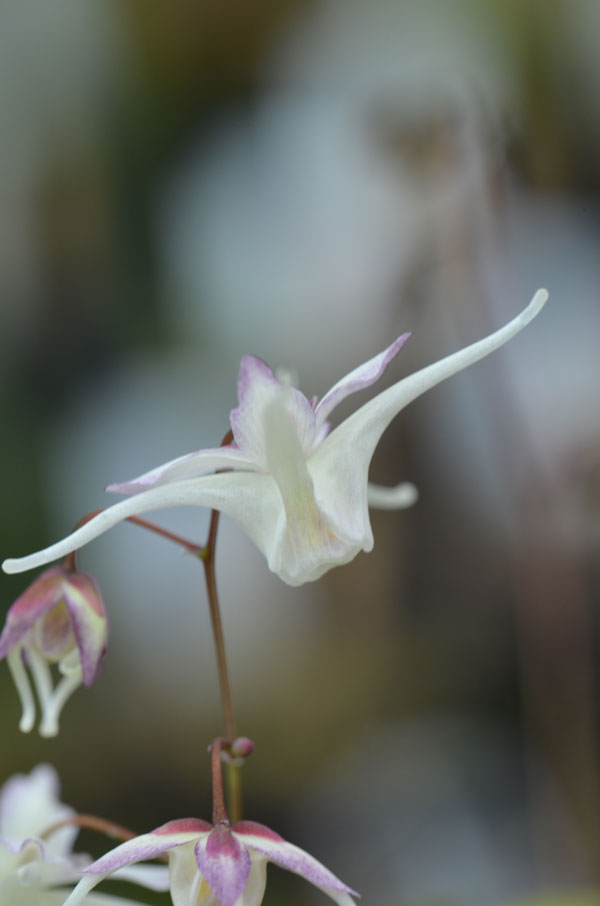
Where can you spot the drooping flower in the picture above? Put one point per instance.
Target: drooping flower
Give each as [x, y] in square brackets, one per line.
[297, 488]
[215, 865]
[59, 620]
[38, 869]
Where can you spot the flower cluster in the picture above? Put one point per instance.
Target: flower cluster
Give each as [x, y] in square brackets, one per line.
[300, 490]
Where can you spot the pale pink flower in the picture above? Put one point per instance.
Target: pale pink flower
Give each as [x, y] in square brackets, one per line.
[215, 866]
[59, 620]
[297, 488]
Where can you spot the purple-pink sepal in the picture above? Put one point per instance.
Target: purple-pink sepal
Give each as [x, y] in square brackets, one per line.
[224, 863]
[85, 608]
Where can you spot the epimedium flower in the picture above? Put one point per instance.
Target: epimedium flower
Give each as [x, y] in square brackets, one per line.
[218, 865]
[39, 868]
[299, 489]
[59, 620]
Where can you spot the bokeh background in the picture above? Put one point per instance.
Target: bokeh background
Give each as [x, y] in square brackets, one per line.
[183, 183]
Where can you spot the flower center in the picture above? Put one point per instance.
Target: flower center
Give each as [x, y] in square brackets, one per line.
[53, 635]
[286, 461]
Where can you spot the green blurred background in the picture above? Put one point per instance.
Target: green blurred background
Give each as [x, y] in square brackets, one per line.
[184, 183]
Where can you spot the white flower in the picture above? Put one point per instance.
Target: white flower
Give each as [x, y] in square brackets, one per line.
[34, 871]
[215, 866]
[299, 490]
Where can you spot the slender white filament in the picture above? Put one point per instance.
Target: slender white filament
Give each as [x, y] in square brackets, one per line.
[61, 694]
[42, 677]
[398, 498]
[23, 687]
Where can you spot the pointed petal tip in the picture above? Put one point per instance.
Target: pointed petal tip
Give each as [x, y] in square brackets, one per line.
[115, 487]
[537, 303]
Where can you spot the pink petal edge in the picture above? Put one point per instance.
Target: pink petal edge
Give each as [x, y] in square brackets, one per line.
[225, 864]
[361, 377]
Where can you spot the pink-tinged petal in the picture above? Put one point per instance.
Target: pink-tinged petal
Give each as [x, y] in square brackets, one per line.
[292, 858]
[257, 389]
[41, 596]
[340, 465]
[147, 846]
[256, 386]
[224, 863]
[38, 864]
[339, 896]
[89, 622]
[31, 844]
[363, 376]
[190, 466]
[184, 826]
[250, 498]
[255, 829]
[52, 635]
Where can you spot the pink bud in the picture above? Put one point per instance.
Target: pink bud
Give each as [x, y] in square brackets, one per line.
[242, 747]
[60, 619]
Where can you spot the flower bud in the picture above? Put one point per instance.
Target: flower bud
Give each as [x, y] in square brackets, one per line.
[59, 620]
[242, 747]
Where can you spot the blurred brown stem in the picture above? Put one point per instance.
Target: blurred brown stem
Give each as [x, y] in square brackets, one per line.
[207, 555]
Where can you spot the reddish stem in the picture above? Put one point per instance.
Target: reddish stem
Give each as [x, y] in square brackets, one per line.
[190, 546]
[92, 822]
[207, 555]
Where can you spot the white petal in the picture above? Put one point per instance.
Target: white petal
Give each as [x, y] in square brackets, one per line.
[255, 888]
[358, 379]
[250, 498]
[29, 804]
[398, 498]
[184, 876]
[80, 892]
[340, 465]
